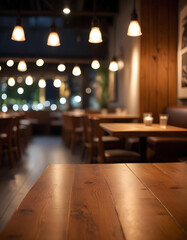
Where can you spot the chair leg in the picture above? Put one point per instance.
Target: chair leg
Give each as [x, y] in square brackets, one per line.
[73, 143]
[83, 151]
[10, 159]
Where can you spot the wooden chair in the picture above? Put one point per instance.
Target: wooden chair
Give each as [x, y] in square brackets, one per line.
[91, 140]
[117, 155]
[76, 131]
[9, 139]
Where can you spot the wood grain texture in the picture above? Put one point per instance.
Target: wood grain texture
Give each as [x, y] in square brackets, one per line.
[105, 202]
[158, 59]
[44, 212]
[93, 214]
[167, 187]
[141, 214]
[140, 130]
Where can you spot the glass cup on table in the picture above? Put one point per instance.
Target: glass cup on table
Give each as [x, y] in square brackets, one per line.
[163, 120]
[147, 119]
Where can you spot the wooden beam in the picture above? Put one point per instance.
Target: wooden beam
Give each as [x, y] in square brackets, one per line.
[55, 13]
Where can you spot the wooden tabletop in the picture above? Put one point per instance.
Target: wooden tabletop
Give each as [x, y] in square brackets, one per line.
[140, 130]
[114, 116]
[104, 202]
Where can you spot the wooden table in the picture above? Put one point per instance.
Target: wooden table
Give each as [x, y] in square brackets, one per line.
[140, 201]
[142, 131]
[115, 116]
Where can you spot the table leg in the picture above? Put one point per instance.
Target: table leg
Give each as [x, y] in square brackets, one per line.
[143, 148]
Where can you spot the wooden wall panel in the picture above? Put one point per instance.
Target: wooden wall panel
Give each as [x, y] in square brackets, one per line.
[158, 67]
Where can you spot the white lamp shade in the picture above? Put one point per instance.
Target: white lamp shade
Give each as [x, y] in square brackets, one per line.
[95, 64]
[61, 67]
[29, 80]
[42, 83]
[134, 29]
[22, 66]
[53, 39]
[57, 83]
[76, 71]
[95, 35]
[113, 66]
[11, 81]
[18, 34]
[39, 62]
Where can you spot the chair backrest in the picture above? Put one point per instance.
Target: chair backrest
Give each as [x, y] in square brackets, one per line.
[177, 116]
[6, 125]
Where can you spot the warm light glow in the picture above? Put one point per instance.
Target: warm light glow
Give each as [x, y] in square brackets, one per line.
[76, 71]
[42, 83]
[95, 35]
[40, 62]
[22, 66]
[113, 66]
[57, 83]
[62, 100]
[18, 34]
[95, 64]
[11, 81]
[134, 29]
[4, 96]
[53, 39]
[29, 80]
[61, 67]
[20, 90]
[10, 63]
[66, 10]
[88, 90]
[20, 79]
[0, 68]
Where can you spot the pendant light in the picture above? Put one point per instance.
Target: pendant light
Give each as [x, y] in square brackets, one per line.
[134, 29]
[95, 64]
[53, 39]
[66, 9]
[18, 33]
[76, 71]
[113, 66]
[29, 80]
[42, 83]
[22, 66]
[95, 35]
[11, 82]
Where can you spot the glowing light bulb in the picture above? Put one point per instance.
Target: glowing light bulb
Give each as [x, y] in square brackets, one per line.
[40, 62]
[76, 71]
[61, 67]
[42, 83]
[11, 82]
[29, 80]
[57, 83]
[95, 64]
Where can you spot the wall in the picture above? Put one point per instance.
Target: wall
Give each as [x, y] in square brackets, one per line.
[128, 49]
[158, 77]
[182, 3]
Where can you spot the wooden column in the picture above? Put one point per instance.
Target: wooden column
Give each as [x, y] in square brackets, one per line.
[158, 72]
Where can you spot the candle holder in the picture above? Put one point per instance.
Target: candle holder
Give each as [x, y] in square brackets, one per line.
[147, 119]
[163, 120]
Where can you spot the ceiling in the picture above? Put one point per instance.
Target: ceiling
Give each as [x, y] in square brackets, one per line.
[37, 16]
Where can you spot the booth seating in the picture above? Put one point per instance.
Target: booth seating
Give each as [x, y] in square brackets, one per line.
[170, 148]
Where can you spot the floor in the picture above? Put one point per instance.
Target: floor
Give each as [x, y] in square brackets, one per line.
[15, 183]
